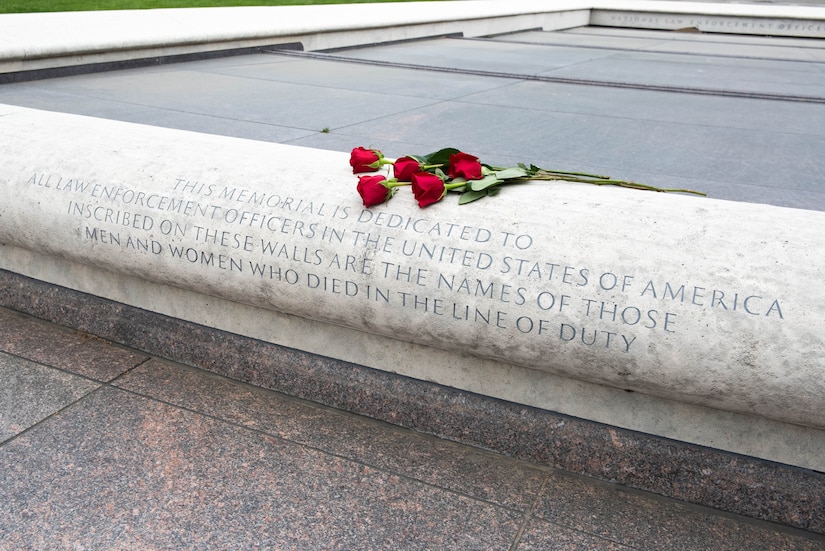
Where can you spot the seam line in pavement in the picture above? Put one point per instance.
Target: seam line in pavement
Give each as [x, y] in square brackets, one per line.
[553, 79]
[56, 413]
[330, 453]
[528, 514]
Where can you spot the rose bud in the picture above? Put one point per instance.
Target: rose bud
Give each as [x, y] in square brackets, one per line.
[404, 168]
[464, 165]
[427, 188]
[373, 190]
[365, 160]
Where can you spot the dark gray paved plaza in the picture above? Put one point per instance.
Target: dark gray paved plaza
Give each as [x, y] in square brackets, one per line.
[739, 117]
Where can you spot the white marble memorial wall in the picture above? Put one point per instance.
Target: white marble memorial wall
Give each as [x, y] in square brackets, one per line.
[701, 301]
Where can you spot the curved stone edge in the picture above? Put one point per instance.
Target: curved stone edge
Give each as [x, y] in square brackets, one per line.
[734, 483]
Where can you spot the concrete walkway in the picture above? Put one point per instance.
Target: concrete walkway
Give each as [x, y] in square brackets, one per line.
[104, 447]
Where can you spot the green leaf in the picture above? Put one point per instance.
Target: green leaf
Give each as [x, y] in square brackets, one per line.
[470, 196]
[510, 173]
[440, 157]
[484, 183]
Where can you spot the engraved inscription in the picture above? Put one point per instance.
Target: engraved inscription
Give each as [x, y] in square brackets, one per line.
[729, 24]
[482, 276]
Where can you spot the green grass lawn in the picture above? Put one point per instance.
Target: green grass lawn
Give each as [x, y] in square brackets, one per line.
[25, 6]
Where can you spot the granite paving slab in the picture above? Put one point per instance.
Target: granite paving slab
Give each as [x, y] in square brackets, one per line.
[465, 470]
[30, 392]
[634, 519]
[176, 457]
[60, 347]
[541, 535]
[117, 471]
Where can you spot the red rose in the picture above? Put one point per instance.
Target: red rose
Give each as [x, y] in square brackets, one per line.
[372, 190]
[466, 165]
[427, 188]
[364, 160]
[404, 168]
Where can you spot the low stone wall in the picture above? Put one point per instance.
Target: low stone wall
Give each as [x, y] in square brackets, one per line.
[696, 301]
[32, 42]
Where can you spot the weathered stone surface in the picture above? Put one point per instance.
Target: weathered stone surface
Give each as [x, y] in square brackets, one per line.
[703, 301]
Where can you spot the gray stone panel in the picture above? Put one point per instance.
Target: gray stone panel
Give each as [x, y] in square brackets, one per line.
[713, 73]
[734, 148]
[391, 81]
[30, 392]
[503, 57]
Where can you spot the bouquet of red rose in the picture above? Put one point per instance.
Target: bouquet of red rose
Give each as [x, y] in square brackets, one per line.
[432, 176]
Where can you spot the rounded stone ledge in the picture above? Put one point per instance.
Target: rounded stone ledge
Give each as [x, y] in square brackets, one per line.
[32, 36]
[702, 301]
